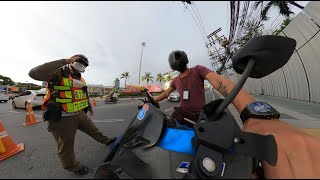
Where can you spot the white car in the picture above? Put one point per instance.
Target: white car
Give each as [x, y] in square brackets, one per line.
[34, 96]
[4, 96]
[174, 96]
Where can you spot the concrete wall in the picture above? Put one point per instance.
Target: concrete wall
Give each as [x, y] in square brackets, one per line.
[300, 77]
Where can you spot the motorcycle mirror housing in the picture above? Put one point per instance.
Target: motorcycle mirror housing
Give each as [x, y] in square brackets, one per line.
[269, 52]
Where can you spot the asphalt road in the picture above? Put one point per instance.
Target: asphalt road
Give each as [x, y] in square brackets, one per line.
[40, 160]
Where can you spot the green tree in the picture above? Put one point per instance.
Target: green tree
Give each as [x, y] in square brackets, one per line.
[160, 77]
[252, 28]
[29, 86]
[283, 7]
[283, 25]
[6, 81]
[126, 76]
[147, 76]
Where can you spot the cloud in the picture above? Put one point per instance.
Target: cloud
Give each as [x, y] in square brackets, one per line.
[108, 33]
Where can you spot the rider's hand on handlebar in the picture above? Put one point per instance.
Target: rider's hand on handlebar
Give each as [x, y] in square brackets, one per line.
[146, 101]
[298, 152]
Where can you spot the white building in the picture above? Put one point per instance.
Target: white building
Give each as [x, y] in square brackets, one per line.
[98, 89]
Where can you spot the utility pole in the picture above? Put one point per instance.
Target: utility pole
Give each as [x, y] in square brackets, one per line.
[217, 57]
[143, 44]
[214, 54]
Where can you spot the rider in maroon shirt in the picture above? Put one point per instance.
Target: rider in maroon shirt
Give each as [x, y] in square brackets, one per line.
[189, 84]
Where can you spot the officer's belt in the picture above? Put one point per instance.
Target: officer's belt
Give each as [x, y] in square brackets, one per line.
[65, 114]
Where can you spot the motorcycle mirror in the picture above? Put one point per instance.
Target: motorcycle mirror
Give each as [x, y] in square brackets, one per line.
[269, 52]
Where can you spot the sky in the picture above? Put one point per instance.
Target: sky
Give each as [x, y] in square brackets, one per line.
[108, 33]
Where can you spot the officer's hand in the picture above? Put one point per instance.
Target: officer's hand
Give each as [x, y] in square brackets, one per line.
[72, 59]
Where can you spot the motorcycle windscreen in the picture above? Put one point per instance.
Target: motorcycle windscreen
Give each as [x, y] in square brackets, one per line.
[178, 140]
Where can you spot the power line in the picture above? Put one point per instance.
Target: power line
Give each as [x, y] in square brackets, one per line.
[196, 23]
[201, 22]
[228, 15]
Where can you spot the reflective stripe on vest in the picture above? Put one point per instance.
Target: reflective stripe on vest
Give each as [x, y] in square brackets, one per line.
[72, 99]
[63, 100]
[75, 106]
[61, 88]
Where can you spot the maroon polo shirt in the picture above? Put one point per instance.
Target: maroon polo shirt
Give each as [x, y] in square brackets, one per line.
[194, 82]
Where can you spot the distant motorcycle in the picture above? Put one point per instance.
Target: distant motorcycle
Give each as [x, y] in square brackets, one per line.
[112, 97]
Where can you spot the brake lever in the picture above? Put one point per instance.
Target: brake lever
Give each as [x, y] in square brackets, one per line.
[140, 106]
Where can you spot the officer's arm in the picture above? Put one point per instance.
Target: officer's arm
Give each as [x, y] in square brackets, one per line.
[44, 71]
[225, 86]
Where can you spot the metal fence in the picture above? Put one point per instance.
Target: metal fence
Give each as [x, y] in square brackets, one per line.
[300, 77]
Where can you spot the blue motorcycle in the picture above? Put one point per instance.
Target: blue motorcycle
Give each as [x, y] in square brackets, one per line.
[152, 147]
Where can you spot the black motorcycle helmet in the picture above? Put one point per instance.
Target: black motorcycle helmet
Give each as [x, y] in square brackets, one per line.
[178, 60]
[83, 59]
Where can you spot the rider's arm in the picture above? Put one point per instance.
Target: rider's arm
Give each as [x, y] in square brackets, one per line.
[298, 152]
[164, 95]
[225, 86]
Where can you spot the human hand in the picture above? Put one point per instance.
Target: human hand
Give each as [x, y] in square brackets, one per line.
[72, 59]
[298, 152]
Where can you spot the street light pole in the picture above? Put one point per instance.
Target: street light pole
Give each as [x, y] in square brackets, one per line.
[143, 44]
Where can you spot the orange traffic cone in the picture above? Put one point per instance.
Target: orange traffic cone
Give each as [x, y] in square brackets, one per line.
[94, 102]
[7, 146]
[30, 118]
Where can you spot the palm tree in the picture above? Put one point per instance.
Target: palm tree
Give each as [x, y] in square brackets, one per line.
[283, 7]
[167, 78]
[147, 76]
[189, 2]
[126, 76]
[160, 77]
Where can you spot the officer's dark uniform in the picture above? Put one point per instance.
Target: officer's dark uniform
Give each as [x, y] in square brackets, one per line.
[63, 125]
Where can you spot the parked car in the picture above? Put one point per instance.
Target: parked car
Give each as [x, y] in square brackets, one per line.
[34, 96]
[4, 96]
[13, 95]
[174, 96]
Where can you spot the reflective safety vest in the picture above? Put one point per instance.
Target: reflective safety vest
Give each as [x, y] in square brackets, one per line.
[71, 95]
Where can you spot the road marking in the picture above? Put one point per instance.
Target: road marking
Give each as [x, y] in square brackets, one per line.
[168, 110]
[38, 115]
[15, 112]
[109, 120]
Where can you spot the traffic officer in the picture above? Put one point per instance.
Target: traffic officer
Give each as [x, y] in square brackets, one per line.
[65, 107]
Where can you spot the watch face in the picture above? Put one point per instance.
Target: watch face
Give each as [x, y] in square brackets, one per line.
[261, 107]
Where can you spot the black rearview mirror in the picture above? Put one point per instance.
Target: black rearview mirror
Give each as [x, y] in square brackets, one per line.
[269, 53]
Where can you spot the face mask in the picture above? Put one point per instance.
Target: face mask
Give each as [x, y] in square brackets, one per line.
[79, 67]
